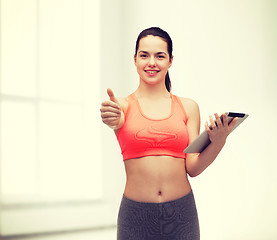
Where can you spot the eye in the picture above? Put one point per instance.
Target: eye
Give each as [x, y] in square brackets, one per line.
[161, 56]
[143, 55]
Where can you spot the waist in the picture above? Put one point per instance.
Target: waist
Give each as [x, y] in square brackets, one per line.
[156, 179]
[145, 205]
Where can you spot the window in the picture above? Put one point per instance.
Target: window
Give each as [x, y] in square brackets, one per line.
[49, 102]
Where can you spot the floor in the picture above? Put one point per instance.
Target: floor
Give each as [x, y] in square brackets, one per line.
[101, 234]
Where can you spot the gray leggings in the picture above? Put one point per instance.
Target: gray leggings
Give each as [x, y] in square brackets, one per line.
[173, 220]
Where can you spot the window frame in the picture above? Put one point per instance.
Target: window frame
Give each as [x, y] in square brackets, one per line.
[52, 216]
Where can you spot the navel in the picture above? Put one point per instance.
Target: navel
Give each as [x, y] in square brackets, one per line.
[160, 193]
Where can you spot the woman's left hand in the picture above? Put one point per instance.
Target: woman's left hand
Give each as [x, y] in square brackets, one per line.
[219, 130]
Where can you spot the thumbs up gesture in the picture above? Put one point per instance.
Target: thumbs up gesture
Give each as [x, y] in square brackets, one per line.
[111, 112]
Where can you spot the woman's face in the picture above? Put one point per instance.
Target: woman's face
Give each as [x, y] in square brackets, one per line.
[152, 59]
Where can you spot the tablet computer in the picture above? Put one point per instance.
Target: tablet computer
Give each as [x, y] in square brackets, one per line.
[203, 140]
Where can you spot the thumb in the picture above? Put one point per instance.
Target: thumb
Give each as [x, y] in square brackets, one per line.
[111, 95]
[233, 123]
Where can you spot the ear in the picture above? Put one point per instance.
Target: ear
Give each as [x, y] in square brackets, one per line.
[135, 59]
[170, 62]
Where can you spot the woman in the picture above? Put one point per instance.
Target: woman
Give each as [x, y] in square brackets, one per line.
[153, 127]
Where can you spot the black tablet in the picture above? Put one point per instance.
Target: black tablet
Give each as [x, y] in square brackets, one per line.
[202, 141]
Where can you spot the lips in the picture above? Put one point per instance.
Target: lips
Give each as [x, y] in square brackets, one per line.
[152, 73]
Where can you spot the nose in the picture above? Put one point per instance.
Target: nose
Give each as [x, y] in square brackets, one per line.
[152, 61]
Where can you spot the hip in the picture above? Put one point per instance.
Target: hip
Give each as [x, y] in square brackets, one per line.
[176, 219]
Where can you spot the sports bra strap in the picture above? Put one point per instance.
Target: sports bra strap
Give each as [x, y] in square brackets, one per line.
[181, 105]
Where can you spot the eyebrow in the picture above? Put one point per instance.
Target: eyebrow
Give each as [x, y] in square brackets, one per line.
[155, 53]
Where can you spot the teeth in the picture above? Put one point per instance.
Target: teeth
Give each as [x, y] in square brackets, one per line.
[152, 72]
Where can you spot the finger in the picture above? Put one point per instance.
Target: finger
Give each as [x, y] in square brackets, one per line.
[207, 127]
[224, 119]
[218, 120]
[109, 114]
[213, 126]
[110, 109]
[111, 95]
[110, 104]
[109, 117]
[109, 121]
[233, 123]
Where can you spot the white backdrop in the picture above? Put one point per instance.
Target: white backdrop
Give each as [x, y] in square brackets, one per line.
[225, 59]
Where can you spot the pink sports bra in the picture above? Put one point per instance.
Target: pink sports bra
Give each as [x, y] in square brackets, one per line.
[141, 136]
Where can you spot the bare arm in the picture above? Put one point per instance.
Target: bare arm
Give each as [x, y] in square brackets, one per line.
[197, 163]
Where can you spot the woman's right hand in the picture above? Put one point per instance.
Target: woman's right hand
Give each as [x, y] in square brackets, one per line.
[111, 112]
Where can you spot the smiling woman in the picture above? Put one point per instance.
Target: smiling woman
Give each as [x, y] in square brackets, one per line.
[153, 127]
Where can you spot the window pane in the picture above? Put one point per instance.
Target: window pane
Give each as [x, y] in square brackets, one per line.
[18, 155]
[48, 149]
[67, 170]
[61, 49]
[18, 47]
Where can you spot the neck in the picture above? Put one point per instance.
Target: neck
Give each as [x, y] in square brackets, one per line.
[152, 91]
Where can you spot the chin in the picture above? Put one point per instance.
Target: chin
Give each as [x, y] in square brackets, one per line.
[152, 81]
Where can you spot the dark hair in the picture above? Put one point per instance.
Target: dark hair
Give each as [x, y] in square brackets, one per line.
[158, 32]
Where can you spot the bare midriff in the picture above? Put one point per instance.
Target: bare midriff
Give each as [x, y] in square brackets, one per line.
[156, 179]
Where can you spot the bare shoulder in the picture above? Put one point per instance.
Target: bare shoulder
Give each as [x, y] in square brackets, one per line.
[191, 107]
[188, 102]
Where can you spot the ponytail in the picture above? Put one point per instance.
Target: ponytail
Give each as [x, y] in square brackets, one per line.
[167, 82]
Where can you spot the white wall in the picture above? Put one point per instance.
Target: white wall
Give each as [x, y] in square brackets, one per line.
[111, 72]
[225, 59]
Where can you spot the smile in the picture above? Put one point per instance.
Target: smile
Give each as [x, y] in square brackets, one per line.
[152, 71]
